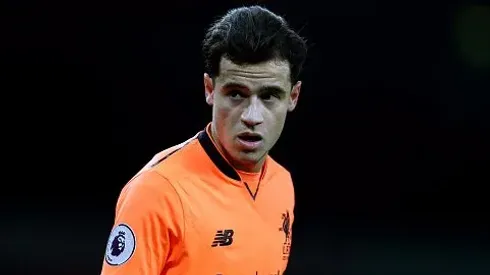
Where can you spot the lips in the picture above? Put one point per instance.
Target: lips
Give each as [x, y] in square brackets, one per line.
[250, 141]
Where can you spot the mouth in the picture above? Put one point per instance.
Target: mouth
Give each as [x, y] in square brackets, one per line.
[250, 141]
[250, 137]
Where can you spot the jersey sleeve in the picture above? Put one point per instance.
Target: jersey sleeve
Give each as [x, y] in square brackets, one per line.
[148, 226]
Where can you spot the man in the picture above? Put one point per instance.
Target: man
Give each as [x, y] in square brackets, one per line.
[218, 203]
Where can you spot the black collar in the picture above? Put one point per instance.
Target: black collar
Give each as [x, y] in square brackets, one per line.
[216, 157]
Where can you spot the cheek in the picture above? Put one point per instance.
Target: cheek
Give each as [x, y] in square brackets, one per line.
[225, 118]
[278, 114]
[276, 122]
[222, 115]
[224, 112]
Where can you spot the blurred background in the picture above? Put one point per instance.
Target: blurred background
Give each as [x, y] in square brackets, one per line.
[389, 146]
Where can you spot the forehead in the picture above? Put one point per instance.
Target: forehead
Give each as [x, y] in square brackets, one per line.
[272, 72]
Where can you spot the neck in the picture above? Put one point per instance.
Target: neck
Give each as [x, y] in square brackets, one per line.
[253, 167]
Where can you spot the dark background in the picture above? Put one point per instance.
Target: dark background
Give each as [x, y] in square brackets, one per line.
[389, 145]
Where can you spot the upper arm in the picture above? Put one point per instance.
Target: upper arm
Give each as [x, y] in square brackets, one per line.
[147, 227]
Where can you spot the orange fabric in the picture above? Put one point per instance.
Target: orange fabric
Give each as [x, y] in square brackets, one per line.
[252, 179]
[189, 215]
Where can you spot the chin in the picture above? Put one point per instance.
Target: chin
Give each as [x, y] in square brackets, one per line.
[250, 157]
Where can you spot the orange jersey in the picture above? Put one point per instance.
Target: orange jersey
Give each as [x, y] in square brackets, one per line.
[188, 212]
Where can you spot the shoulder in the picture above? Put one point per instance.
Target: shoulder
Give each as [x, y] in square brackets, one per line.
[149, 190]
[168, 162]
[158, 176]
[148, 198]
[170, 155]
[280, 178]
[278, 170]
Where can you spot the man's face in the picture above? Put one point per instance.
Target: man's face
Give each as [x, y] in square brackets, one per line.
[250, 104]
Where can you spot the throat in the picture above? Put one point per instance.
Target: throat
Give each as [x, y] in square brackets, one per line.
[254, 168]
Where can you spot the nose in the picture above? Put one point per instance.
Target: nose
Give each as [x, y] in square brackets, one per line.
[252, 115]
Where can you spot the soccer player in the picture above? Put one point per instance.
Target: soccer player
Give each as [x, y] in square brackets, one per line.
[218, 203]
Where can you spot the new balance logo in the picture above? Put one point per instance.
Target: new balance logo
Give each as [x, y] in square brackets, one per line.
[223, 238]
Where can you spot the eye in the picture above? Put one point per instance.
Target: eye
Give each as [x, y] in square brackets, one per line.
[270, 97]
[235, 94]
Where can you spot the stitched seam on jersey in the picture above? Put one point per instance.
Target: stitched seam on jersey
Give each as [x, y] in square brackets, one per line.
[181, 205]
[125, 190]
[164, 158]
[130, 186]
[170, 154]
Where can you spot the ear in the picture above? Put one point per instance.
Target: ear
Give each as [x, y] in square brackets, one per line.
[208, 89]
[294, 96]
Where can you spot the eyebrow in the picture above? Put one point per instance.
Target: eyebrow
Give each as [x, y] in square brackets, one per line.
[263, 89]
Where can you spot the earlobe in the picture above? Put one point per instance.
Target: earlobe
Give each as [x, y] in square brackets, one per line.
[208, 89]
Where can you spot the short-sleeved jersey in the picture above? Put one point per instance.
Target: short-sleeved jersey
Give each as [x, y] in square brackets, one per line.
[189, 212]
